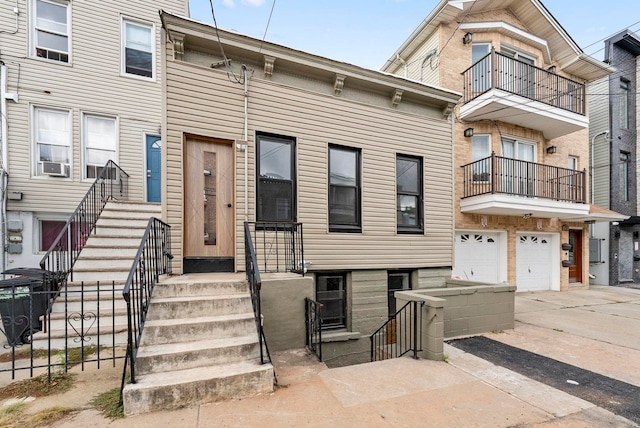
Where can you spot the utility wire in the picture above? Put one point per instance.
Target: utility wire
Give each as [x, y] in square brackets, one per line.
[224, 57]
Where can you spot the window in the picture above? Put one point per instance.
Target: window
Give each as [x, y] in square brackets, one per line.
[331, 292]
[518, 72]
[624, 104]
[481, 70]
[518, 178]
[623, 175]
[50, 30]
[137, 49]
[396, 281]
[49, 231]
[52, 134]
[276, 179]
[573, 163]
[344, 189]
[480, 155]
[409, 193]
[99, 142]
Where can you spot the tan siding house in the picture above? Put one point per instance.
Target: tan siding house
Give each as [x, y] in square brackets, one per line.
[84, 94]
[361, 159]
[521, 139]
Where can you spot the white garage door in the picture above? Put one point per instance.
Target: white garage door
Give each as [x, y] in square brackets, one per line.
[477, 256]
[533, 262]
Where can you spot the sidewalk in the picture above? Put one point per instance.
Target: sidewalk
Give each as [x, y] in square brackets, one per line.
[597, 329]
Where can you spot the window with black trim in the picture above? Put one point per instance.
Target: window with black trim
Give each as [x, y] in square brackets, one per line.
[409, 194]
[344, 189]
[623, 176]
[624, 103]
[331, 291]
[276, 182]
[396, 281]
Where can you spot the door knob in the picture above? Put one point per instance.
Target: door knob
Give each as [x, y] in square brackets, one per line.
[229, 205]
[149, 173]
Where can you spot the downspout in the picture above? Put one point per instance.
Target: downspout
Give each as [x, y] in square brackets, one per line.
[246, 143]
[404, 64]
[3, 165]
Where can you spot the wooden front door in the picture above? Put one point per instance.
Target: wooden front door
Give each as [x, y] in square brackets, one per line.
[575, 256]
[209, 198]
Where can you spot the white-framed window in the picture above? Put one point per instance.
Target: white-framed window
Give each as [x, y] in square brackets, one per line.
[50, 29]
[52, 141]
[99, 143]
[138, 48]
[480, 155]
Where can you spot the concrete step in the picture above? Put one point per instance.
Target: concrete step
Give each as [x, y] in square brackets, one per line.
[114, 241]
[122, 221]
[106, 319]
[172, 288]
[157, 332]
[61, 338]
[103, 275]
[75, 304]
[178, 307]
[133, 206]
[187, 355]
[176, 389]
[122, 230]
[98, 263]
[100, 251]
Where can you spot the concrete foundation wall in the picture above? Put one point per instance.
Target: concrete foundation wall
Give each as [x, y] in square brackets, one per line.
[283, 310]
[461, 308]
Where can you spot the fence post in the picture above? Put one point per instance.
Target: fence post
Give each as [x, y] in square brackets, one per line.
[415, 330]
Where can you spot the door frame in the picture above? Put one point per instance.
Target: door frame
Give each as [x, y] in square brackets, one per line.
[578, 256]
[223, 141]
[145, 135]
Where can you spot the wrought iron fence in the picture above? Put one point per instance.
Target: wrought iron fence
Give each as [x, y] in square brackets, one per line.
[401, 334]
[499, 71]
[85, 327]
[313, 326]
[255, 284]
[497, 174]
[112, 183]
[278, 246]
[152, 260]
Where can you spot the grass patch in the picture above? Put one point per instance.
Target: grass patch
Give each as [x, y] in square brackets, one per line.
[38, 386]
[9, 415]
[24, 353]
[75, 356]
[558, 329]
[47, 417]
[108, 403]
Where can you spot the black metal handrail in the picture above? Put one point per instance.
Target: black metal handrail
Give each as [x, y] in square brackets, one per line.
[313, 326]
[152, 260]
[499, 71]
[401, 334]
[112, 183]
[279, 246]
[255, 284]
[497, 174]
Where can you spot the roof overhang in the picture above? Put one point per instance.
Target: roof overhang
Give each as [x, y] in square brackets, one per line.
[599, 214]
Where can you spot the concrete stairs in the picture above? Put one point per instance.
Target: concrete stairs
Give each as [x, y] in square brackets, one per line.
[199, 344]
[92, 306]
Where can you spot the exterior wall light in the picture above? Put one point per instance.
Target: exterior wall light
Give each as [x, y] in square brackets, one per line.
[467, 38]
[551, 150]
[468, 132]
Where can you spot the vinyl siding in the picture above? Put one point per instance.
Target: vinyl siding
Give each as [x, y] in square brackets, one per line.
[204, 102]
[429, 72]
[89, 83]
[599, 122]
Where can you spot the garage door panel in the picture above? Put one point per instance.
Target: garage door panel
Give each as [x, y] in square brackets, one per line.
[477, 257]
[533, 262]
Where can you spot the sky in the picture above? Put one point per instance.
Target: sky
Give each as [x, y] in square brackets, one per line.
[368, 32]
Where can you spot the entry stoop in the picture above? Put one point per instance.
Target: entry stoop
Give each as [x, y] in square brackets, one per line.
[199, 345]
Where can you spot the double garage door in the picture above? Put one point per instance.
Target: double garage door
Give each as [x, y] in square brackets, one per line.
[482, 257]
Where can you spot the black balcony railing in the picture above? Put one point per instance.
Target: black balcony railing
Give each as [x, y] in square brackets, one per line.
[497, 174]
[401, 334]
[279, 246]
[498, 71]
[152, 260]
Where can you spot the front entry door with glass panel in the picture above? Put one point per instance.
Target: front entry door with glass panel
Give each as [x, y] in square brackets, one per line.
[154, 168]
[208, 204]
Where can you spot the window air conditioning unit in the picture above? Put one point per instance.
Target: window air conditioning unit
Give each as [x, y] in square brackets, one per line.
[55, 169]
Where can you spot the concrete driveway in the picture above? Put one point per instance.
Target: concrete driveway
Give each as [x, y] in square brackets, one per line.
[597, 329]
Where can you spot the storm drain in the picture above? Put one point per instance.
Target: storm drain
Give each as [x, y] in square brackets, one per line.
[616, 396]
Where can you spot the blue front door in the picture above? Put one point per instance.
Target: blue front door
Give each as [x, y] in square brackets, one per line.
[154, 168]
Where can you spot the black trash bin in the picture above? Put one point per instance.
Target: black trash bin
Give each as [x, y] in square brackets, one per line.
[22, 302]
[49, 279]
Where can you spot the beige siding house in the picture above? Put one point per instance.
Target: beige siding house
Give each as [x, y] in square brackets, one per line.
[81, 84]
[360, 159]
[521, 140]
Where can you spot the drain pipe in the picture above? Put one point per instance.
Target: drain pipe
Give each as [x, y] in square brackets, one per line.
[246, 143]
[3, 165]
